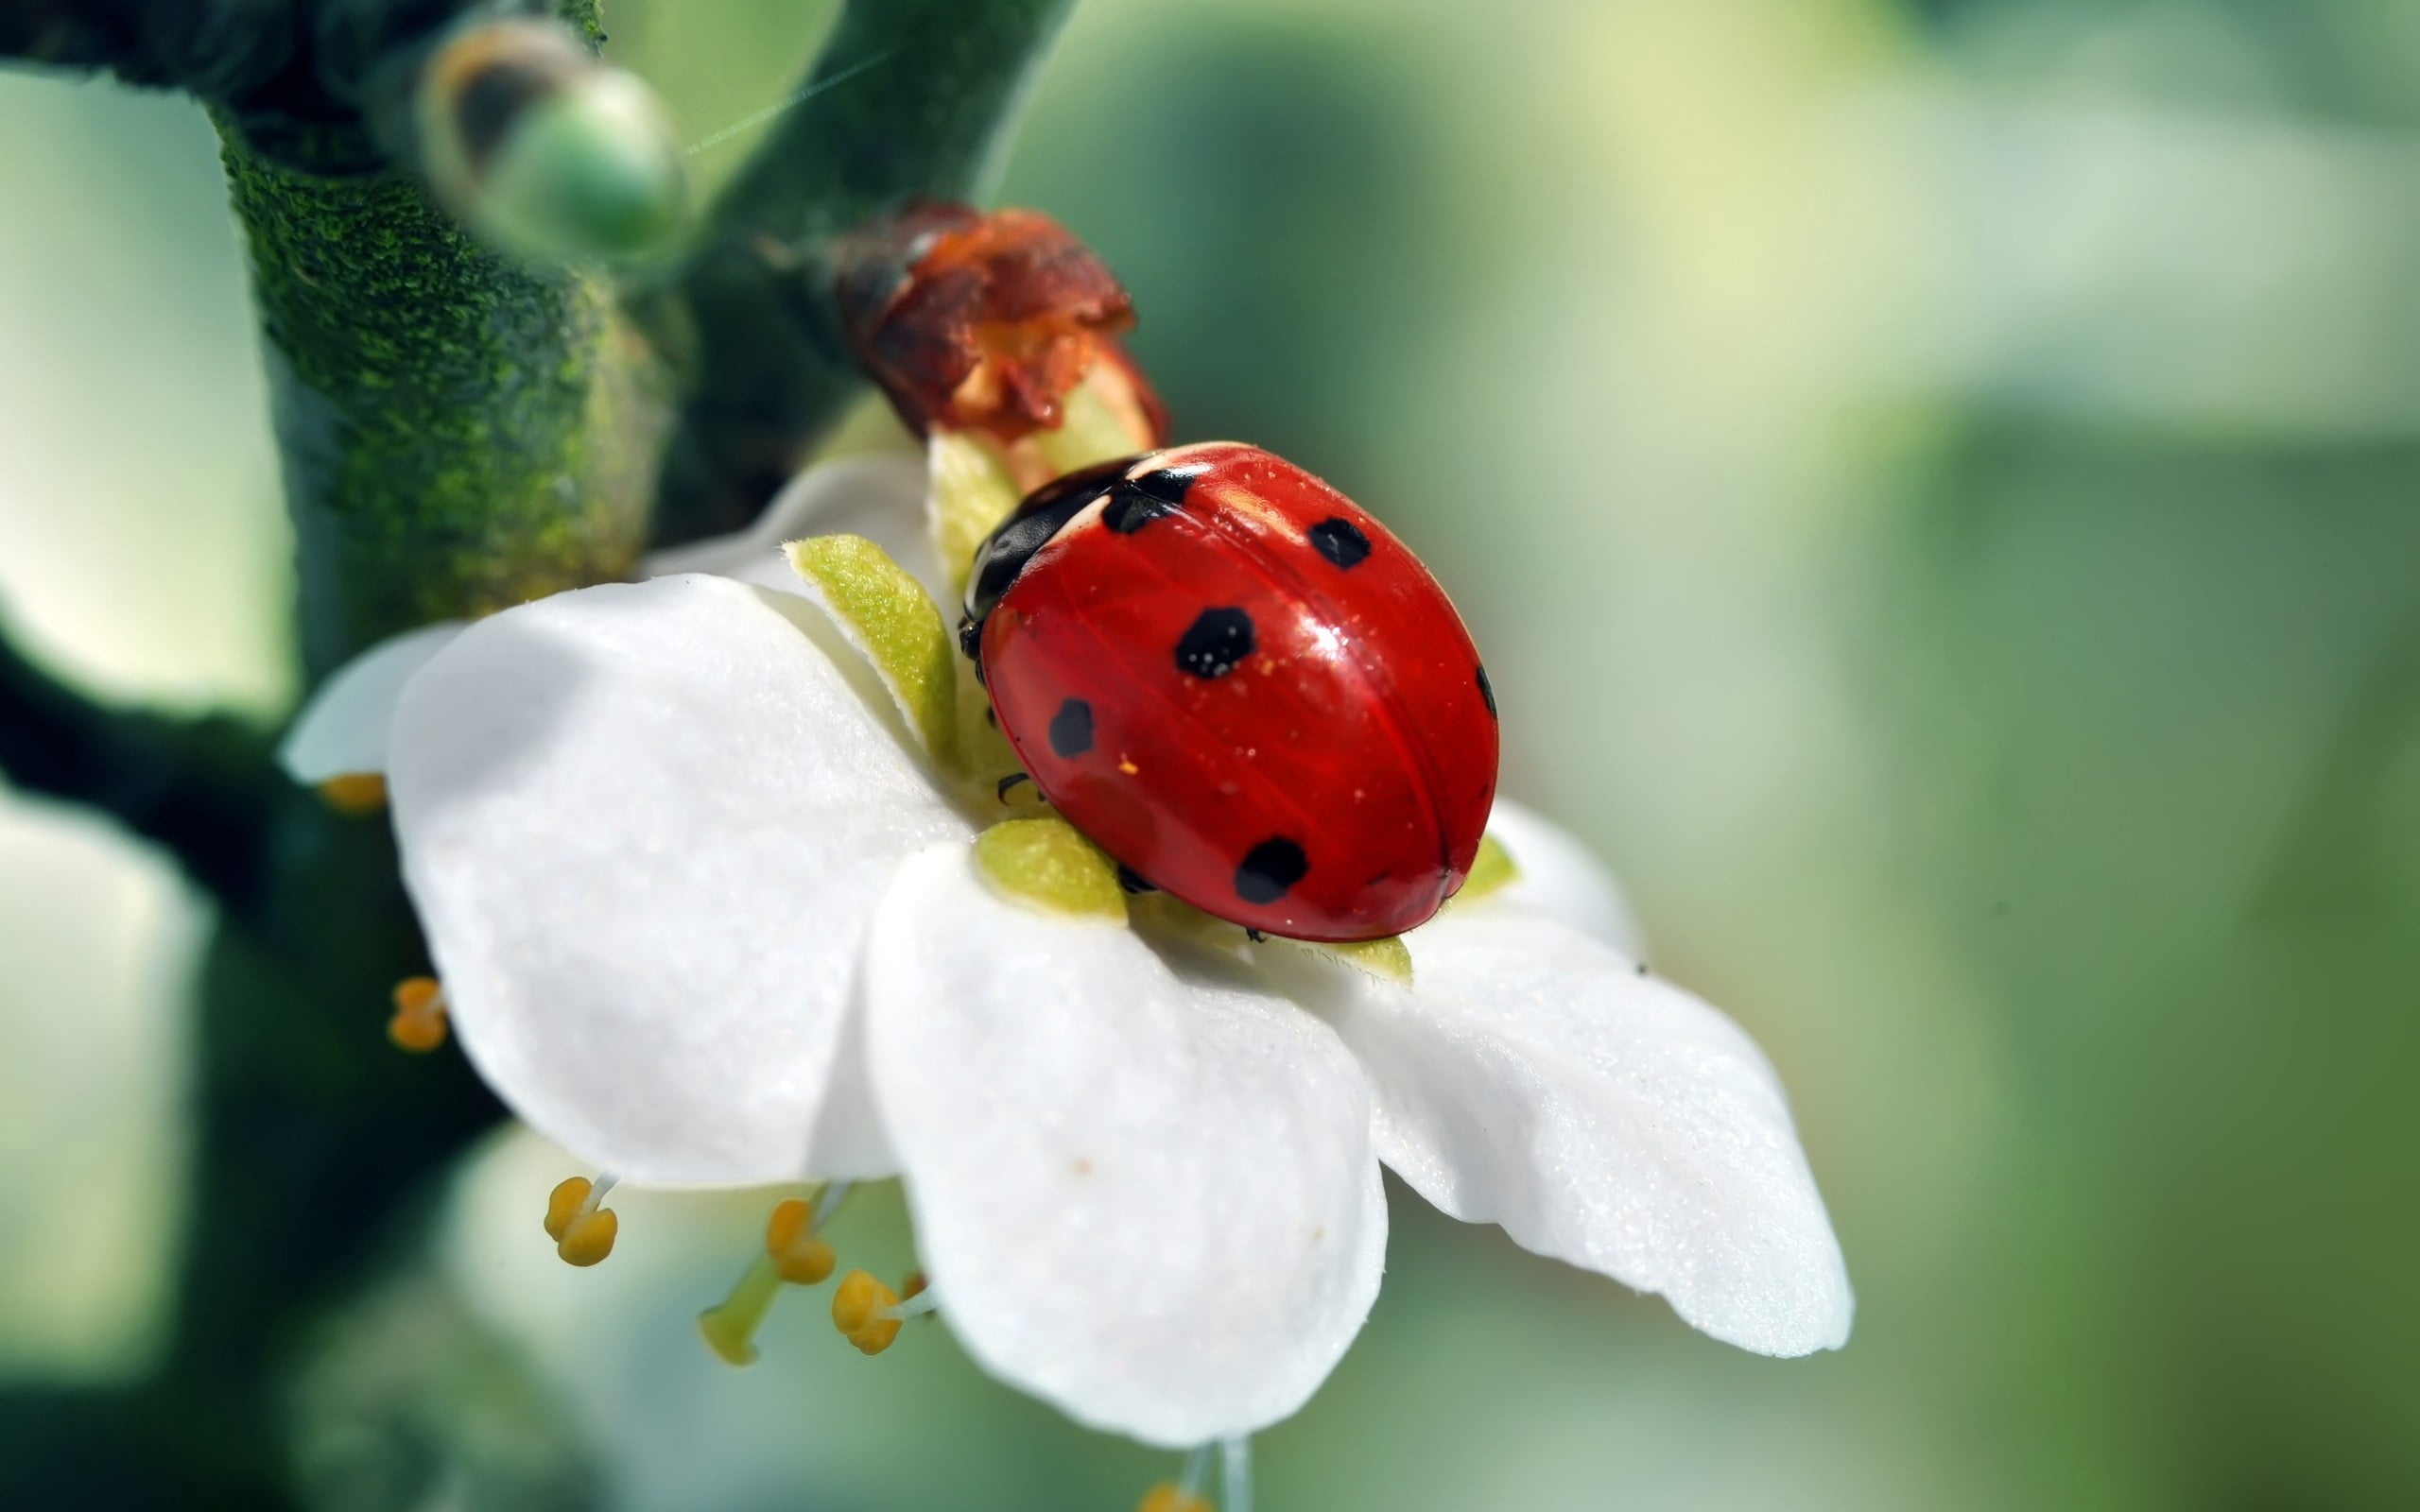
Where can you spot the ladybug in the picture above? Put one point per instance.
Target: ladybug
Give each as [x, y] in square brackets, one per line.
[1241, 687]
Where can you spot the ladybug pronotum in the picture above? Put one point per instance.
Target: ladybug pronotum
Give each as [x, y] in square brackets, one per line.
[1241, 687]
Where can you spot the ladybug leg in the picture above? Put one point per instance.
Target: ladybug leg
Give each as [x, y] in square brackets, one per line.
[1007, 785]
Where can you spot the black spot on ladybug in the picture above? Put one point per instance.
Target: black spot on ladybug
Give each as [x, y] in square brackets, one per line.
[1134, 503]
[1169, 485]
[1218, 640]
[1132, 881]
[1129, 510]
[1071, 728]
[1272, 868]
[1340, 541]
[1487, 690]
[1008, 783]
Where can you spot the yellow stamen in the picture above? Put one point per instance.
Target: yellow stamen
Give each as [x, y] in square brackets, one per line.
[858, 1304]
[791, 1243]
[793, 1253]
[354, 793]
[419, 1022]
[1169, 1497]
[582, 1231]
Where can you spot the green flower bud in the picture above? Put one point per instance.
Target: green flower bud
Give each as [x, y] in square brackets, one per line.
[544, 152]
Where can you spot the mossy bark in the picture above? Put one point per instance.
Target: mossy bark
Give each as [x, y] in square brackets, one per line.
[460, 434]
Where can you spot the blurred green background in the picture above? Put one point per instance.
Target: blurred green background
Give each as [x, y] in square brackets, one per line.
[1936, 484]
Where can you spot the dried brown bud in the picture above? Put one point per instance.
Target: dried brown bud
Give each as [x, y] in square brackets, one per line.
[984, 322]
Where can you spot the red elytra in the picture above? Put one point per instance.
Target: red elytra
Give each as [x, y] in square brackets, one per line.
[1241, 687]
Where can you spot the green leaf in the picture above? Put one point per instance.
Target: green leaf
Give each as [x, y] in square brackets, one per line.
[886, 614]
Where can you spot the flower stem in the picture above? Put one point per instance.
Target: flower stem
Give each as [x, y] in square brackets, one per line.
[767, 372]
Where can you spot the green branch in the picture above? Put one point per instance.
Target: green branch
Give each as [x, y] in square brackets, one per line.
[324, 86]
[199, 789]
[216, 51]
[765, 372]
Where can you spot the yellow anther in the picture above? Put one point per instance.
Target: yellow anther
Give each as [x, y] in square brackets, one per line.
[1169, 1497]
[419, 1022]
[858, 1307]
[563, 1204]
[800, 1256]
[354, 793]
[582, 1231]
[590, 1238]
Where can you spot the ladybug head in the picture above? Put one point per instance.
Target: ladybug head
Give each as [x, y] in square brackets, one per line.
[1045, 512]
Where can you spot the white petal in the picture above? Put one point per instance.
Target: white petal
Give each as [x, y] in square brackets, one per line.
[1561, 878]
[645, 825]
[343, 729]
[1143, 1192]
[879, 496]
[1532, 1078]
[848, 1143]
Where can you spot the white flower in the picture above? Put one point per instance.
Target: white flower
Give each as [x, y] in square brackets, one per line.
[705, 914]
